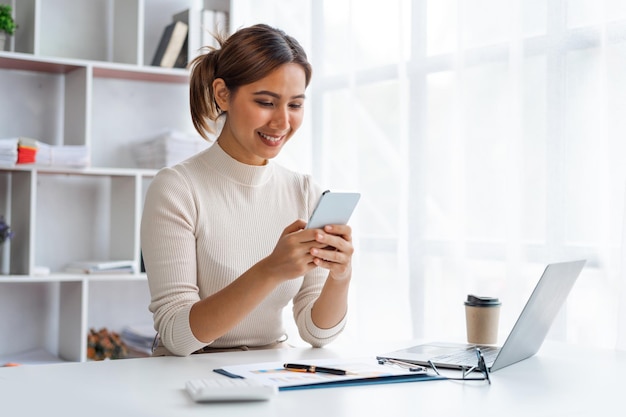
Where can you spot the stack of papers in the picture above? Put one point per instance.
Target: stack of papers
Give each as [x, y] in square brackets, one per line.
[101, 267]
[22, 150]
[167, 149]
[139, 338]
[63, 156]
[8, 152]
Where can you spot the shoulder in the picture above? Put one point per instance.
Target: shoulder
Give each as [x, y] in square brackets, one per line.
[183, 174]
[176, 184]
[300, 184]
[169, 180]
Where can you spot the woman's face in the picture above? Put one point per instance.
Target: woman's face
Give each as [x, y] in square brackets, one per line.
[261, 117]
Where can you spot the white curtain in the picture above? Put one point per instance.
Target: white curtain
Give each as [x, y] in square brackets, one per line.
[488, 138]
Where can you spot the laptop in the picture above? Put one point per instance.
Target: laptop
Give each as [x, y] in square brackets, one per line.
[523, 341]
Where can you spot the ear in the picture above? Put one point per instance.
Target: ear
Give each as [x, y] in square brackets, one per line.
[221, 94]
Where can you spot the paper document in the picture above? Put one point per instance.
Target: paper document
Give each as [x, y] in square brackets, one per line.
[358, 372]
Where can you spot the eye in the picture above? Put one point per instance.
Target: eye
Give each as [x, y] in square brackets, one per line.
[264, 103]
[296, 106]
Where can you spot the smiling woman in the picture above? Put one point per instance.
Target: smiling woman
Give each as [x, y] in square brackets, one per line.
[223, 233]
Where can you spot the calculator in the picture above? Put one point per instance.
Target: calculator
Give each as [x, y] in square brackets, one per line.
[229, 389]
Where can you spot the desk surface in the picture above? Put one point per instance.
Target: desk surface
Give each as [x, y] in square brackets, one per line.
[560, 380]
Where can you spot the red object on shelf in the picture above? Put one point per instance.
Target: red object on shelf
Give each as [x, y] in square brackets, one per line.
[26, 155]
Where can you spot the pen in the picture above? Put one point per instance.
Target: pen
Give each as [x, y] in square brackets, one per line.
[313, 369]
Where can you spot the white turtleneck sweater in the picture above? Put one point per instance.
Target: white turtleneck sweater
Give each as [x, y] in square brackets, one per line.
[208, 220]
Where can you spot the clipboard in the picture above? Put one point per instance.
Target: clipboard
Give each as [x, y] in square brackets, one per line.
[360, 371]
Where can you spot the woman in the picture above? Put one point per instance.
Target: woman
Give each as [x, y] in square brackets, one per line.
[222, 233]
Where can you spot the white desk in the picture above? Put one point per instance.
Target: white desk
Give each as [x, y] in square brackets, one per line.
[560, 380]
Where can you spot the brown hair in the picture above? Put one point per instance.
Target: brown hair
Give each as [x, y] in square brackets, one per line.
[248, 55]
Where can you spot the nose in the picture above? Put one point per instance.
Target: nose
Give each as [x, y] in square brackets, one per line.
[280, 119]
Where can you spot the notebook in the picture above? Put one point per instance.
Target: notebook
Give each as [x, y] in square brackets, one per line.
[523, 341]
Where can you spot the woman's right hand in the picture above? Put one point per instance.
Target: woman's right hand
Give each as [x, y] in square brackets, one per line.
[291, 257]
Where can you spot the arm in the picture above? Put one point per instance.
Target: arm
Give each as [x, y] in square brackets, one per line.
[320, 309]
[168, 245]
[332, 304]
[290, 259]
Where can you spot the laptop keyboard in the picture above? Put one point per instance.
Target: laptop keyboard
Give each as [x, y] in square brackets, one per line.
[467, 357]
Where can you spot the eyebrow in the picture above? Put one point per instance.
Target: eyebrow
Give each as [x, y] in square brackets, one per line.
[269, 93]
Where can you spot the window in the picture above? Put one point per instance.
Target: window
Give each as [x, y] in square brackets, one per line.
[487, 139]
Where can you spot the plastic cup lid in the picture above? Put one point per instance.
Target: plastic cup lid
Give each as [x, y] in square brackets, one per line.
[479, 301]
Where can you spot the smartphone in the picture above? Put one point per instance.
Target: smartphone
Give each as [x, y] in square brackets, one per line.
[333, 208]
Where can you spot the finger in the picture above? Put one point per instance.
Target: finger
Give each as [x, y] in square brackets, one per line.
[307, 235]
[336, 242]
[294, 227]
[337, 271]
[328, 255]
[342, 230]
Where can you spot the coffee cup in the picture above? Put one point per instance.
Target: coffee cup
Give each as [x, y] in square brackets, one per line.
[481, 316]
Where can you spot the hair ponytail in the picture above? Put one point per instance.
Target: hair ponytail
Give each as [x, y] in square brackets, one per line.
[201, 96]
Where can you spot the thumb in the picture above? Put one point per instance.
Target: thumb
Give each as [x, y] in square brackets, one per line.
[294, 227]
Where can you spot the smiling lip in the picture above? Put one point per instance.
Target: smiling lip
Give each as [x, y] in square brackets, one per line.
[271, 140]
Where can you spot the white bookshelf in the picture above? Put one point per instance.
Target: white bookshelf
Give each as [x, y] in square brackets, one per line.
[77, 73]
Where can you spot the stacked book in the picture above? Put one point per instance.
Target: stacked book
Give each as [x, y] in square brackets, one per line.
[167, 149]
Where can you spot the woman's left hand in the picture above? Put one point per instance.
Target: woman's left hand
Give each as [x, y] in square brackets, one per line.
[336, 256]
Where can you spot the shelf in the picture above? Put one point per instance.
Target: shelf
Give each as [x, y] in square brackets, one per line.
[153, 74]
[29, 62]
[61, 277]
[77, 75]
[95, 171]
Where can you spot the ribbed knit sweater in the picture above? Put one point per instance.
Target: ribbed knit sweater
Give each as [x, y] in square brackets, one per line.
[208, 220]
